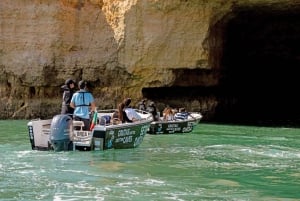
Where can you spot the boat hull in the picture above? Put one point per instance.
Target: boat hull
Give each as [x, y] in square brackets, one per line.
[121, 137]
[175, 126]
[102, 137]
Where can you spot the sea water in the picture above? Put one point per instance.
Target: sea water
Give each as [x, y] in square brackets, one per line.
[214, 162]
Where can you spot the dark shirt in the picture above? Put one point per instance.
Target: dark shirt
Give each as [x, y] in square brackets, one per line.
[125, 118]
[153, 111]
[142, 106]
[67, 96]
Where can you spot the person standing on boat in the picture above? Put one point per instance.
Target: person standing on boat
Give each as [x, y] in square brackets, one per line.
[68, 89]
[142, 105]
[83, 103]
[152, 109]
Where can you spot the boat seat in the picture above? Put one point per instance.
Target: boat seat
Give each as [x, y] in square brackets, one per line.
[115, 121]
[105, 120]
[78, 124]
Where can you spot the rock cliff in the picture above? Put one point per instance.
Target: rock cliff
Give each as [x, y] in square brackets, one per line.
[175, 52]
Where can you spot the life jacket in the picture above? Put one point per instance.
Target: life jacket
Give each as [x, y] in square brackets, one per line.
[82, 92]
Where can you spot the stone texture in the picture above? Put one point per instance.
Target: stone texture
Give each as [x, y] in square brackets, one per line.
[119, 46]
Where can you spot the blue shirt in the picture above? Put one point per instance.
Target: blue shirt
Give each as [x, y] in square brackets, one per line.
[82, 100]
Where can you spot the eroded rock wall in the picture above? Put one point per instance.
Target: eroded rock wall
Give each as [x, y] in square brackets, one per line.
[119, 46]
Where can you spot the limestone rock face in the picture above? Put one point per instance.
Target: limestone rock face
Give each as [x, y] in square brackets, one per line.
[121, 47]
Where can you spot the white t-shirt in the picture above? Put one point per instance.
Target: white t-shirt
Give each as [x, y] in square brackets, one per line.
[132, 114]
[169, 117]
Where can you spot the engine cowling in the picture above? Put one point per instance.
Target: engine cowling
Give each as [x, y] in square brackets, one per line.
[61, 132]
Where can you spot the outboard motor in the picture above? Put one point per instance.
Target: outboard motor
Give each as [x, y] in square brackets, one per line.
[60, 132]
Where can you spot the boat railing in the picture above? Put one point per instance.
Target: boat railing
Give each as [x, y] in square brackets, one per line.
[107, 111]
[78, 124]
[105, 117]
[145, 115]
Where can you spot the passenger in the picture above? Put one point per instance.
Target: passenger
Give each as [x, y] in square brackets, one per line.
[168, 114]
[115, 118]
[182, 114]
[83, 103]
[174, 110]
[152, 109]
[127, 102]
[130, 112]
[122, 114]
[142, 105]
[68, 89]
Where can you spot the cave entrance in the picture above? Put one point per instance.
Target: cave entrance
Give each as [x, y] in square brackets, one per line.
[259, 62]
[254, 54]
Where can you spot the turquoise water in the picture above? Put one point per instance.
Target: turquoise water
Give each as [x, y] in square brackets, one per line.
[214, 162]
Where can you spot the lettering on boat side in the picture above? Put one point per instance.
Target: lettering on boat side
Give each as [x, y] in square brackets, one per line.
[144, 130]
[172, 125]
[125, 136]
[173, 128]
[186, 129]
[138, 140]
[128, 136]
[125, 132]
[124, 140]
[111, 134]
[110, 139]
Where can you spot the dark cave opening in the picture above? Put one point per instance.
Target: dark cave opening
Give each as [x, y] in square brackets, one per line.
[261, 56]
[255, 54]
[178, 93]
